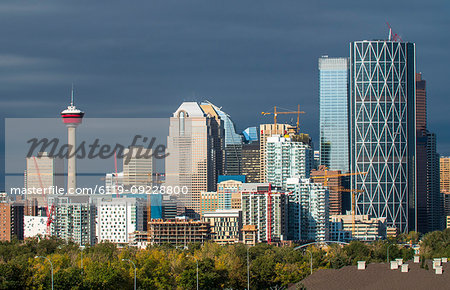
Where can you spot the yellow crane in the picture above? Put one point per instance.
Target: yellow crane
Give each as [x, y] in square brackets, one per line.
[275, 113]
[326, 177]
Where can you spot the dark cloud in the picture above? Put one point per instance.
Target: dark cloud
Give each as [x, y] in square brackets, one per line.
[142, 58]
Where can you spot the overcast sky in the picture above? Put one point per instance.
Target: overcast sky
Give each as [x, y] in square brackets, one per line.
[143, 58]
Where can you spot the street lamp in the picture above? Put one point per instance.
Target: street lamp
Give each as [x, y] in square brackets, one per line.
[388, 253]
[134, 265]
[51, 264]
[196, 261]
[311, 260]
[248, 270]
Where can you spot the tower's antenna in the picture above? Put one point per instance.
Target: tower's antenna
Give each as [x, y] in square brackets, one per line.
[71, 97]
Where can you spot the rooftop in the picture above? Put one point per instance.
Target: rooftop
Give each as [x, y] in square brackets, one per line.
[378, 276]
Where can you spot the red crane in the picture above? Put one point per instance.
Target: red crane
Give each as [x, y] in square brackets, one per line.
[393, 36]
[49, 211]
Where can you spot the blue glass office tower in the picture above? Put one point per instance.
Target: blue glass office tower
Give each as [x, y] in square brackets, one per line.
[333, 98]
[382, 135]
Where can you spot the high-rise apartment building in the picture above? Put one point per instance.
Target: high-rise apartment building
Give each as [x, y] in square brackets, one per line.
[269, 217]
[11, 221]
[333, 99]
[251, 162]
[266, 131]
[194, 148]
[74, 218]
[308, 210]
[287, 157]
[43, 176]
[382, 130]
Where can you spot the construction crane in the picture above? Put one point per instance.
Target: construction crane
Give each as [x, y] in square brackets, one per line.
[393, 36]
[49, 211]
[352, 191]
[276, 113]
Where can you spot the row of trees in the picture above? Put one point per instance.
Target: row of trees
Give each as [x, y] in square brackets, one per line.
[166, 267]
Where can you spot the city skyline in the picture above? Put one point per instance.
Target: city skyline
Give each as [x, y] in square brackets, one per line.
[211, 64]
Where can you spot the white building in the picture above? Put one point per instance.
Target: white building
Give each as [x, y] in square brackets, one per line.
[268, 212]
[113, 182]
[117, 218]
[287, 157]
[308, 210]
[34, 226]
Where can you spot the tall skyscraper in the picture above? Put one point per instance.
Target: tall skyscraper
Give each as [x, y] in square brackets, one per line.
[333, 98]
[137, 167]
[267, 130]
[382, 130]
[72, 117]
[194, 146]
[429, 198]
[232, 143]
[44, 174]
[435, 204]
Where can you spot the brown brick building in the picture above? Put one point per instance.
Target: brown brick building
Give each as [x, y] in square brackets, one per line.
[11, 221]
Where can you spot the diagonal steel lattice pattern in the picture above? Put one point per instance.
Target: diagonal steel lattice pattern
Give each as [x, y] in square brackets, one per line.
[382, 129]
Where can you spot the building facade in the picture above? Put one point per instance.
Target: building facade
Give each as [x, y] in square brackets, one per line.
[286, 157]
[333, 99]
[266, 131]
[308, 210]
[137, 168]
[382, 130]
[444, 165]
[11, 221]
[44, 174]
[34, 226]
[178, 232]
[74, 219]
[225, 225]
[251, 162]
[365, 228]
[226, 192]
[232, 144]
[117, 218]
[334, 185]
[268, 212]
[195, 149]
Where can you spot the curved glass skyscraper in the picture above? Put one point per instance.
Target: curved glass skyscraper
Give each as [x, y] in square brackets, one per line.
[382, 132]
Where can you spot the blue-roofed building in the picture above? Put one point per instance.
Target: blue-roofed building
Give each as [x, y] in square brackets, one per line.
[240, 178]
[250, 134]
